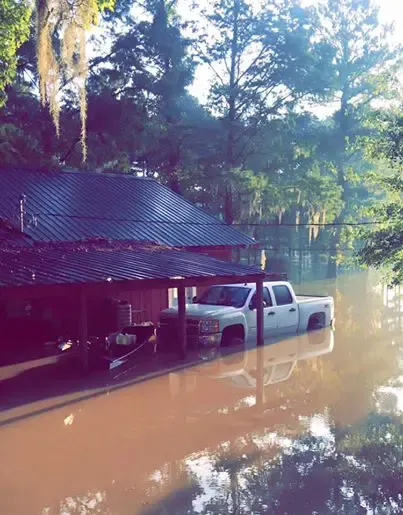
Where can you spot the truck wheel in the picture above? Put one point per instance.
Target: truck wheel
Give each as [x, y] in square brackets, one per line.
[316, 321]
[236, 341]
[232, 337]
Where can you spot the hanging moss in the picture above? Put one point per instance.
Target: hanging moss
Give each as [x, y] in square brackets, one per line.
[65, 24]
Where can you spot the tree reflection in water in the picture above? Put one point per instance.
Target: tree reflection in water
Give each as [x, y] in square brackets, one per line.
[358, 470]
[91, 503]
[355, 470]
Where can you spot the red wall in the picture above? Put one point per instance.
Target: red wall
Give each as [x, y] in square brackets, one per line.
[151, 301]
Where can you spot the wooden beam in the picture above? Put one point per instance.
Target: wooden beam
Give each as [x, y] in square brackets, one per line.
[83, 329]
[259, 313]
[160, 284]
[182, 321]
[108, 288]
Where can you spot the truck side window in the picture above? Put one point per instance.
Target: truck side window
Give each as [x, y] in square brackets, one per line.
[267, 302]
[283, 295]
[267, 298]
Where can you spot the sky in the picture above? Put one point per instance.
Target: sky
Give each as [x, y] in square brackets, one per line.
[390, 11]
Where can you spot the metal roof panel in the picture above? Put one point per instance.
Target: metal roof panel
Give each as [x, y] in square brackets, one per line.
[73, 206]
[68, 266]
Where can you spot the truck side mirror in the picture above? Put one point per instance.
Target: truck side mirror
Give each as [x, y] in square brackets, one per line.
[194, 300]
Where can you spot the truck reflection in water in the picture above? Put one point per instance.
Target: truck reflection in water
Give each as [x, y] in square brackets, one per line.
[279, 359]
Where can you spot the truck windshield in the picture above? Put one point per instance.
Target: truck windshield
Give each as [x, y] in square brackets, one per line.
[224, 296]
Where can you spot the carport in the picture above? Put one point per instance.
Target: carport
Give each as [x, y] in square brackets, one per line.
[85, 269]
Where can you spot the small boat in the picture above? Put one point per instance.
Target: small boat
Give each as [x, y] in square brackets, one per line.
[132, 342]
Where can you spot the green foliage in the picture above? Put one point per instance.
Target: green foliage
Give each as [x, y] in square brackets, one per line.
[15, 147]
[262, 59]
[364, 56]
[364, 64]
[388, 141]
[104, 5]
[383, 245]
[14, 30]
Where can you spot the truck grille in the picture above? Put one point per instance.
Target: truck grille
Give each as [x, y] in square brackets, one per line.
[168, 332]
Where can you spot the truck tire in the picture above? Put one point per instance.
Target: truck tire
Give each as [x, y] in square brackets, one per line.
[316, 321]
[233, 336]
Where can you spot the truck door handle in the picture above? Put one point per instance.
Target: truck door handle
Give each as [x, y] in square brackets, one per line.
[271, 313]
[292, 310]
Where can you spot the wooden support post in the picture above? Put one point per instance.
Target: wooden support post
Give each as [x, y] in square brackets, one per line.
[83, 329]
[259, 313]
[182, 320]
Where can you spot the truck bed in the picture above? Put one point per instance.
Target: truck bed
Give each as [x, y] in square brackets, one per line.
[311, 298]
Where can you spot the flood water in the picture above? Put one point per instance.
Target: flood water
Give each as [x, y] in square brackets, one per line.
[309, 424]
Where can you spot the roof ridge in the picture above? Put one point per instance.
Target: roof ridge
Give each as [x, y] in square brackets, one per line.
[88, 173]
[122, 175]
[134, 220]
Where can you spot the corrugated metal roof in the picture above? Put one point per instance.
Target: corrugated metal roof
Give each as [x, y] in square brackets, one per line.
[66, 266]
[75, 206]
[13, 238]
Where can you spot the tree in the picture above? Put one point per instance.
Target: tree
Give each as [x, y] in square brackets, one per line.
[14, 30]
[139, 113]
[173, 71]
[140, 81]
[61, 38]
[27, 133]
[363, 64]
[383, 246]
[67, 23]
[263, 61]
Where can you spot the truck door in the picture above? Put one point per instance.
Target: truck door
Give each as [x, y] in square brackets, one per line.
[270, 318]
[286, 309]
[269, 315]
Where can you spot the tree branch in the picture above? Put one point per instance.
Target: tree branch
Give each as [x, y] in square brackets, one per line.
[207, 60]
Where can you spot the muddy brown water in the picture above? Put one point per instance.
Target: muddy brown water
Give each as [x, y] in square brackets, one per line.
[309, 424]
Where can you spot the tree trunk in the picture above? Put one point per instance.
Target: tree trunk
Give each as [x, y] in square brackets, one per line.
[231, 160]
[234, 491]
[341, 180]
[172, 172]
[229, 205]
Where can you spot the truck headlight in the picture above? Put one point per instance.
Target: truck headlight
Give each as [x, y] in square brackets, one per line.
[209, 326]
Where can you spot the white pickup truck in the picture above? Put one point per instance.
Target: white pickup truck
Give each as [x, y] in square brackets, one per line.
[224, 315]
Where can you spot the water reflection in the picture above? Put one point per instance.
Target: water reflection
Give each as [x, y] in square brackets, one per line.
[311, 424]
[273, 363]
